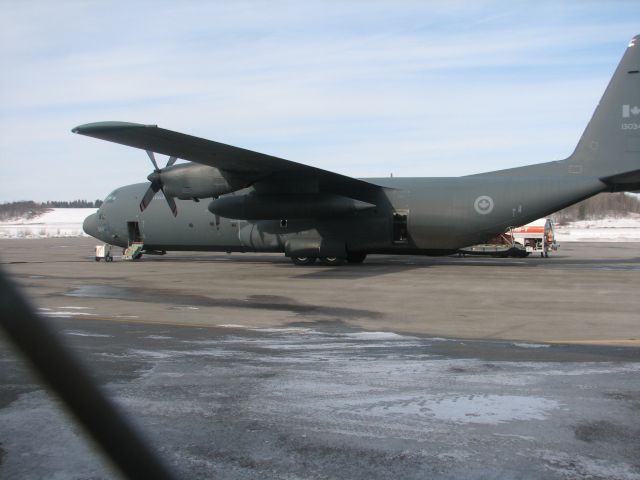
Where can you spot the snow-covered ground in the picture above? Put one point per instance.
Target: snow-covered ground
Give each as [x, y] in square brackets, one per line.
[67, 222]
[58, 222]
[603, 230]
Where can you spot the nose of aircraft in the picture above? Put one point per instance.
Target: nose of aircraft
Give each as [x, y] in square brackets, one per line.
[90, 225]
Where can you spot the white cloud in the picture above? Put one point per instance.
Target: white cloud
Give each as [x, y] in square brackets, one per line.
[363, 89]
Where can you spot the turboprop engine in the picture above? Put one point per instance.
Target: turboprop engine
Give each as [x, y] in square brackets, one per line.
[187, 181]
[191, 180]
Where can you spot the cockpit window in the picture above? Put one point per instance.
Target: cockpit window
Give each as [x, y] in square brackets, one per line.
[110, 198]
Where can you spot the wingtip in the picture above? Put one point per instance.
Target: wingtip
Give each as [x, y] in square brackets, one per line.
[95, 127]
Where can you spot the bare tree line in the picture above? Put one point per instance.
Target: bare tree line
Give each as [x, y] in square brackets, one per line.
[600, 206]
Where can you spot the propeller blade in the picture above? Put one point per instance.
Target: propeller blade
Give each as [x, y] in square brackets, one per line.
[153, 159]
[156, 184]
[172, 205]
[148, 196]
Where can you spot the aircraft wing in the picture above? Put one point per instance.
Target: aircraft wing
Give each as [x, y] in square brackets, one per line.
[239, 161]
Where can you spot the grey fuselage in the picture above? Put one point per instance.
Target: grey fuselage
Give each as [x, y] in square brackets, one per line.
[429, 216]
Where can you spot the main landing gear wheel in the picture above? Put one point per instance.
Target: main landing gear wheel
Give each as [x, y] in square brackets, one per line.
[356, 257]
[332, 261]
[303, 260]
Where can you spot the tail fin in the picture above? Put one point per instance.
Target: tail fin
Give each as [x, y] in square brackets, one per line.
[609, 148]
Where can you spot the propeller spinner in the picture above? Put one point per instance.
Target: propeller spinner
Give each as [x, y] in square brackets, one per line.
[156, 184]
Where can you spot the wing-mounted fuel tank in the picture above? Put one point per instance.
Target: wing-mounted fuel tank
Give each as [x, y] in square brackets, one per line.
[257, 206]
[192, 180]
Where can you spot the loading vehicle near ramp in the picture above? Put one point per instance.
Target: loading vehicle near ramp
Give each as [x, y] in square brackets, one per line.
[103, 252]
[261, 203]
[536, 237]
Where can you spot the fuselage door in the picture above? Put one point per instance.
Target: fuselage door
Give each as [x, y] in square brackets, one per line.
[400, 227]
[133, 231]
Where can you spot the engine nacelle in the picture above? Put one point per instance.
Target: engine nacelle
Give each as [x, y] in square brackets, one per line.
[193, 180]
[257, 206]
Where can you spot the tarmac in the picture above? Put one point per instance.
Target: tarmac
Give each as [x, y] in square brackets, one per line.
[584, 293]
[246, 366]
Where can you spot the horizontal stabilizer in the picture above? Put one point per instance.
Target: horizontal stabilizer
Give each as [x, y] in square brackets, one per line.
[625, 182]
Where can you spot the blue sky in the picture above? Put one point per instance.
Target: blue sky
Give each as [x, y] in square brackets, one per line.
[361, 88]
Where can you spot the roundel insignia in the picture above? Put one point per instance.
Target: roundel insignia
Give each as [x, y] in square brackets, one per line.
[483, 204]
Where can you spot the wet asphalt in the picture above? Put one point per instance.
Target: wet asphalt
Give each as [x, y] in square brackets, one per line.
[334, 402]
[246, 367]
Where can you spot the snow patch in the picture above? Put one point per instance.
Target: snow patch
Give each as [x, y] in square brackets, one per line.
[285, 330]
[151, 354]
[161, 355]
[454, 455]
[377, 336]
[67, 313]
[530, 345]
[609, 229]
[58, 222]
[482, 409]
[579, 466]
[79, 333]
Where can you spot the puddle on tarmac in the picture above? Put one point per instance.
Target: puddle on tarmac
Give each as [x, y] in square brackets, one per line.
[260, 302]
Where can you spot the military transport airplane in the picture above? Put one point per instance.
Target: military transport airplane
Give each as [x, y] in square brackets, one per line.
[261, 203]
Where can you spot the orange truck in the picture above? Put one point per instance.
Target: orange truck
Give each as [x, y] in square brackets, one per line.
[536, 237]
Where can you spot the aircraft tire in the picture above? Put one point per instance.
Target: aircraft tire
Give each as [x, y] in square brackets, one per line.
[332, 261]
[303, 260]
[356, 257]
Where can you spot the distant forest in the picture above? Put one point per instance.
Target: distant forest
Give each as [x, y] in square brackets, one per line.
[602, 205]
[29, 209]
[73, 204]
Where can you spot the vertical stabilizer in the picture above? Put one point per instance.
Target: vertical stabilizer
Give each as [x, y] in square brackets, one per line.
[609, 150]
[610, 145]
